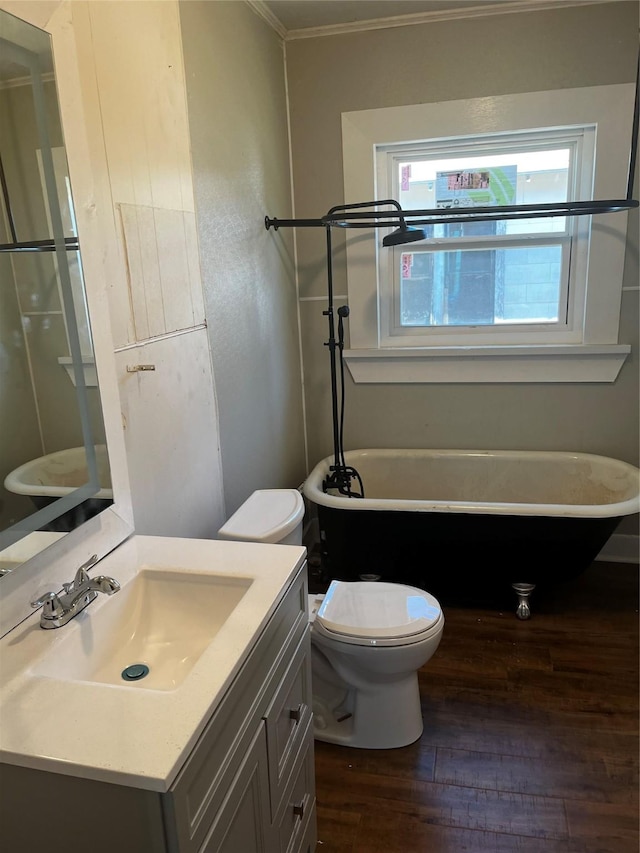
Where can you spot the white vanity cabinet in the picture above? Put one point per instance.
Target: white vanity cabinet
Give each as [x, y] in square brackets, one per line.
[247, 786]
[249, 783]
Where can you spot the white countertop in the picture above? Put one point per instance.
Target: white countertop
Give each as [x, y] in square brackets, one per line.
[128, 734]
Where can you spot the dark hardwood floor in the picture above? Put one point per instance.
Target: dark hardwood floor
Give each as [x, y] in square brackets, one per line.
[530, 741]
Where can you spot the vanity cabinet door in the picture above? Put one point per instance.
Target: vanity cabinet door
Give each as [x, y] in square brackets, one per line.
[242, 825]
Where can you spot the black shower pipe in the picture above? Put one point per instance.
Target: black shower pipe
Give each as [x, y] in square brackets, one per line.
[331, 344]
[341, 475]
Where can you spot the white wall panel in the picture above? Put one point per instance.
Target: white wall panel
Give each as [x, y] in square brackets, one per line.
[138, 67]
[133, 71]
[173, 468]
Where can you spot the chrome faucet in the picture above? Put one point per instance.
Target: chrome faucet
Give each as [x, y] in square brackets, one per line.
[60, 608]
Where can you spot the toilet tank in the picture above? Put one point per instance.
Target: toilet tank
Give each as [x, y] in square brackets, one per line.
[268, 515]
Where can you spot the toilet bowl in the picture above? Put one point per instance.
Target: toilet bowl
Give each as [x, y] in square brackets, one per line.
[268, 515]
[368, 641]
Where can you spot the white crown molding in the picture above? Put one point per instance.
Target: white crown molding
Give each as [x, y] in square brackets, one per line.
[263, 11]
[506, 7]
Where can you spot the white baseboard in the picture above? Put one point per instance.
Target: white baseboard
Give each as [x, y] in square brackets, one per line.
[621, 548]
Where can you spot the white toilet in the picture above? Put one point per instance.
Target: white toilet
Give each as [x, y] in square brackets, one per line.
[368, 640]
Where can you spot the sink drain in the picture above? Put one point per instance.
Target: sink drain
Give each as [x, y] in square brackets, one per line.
[135, 671]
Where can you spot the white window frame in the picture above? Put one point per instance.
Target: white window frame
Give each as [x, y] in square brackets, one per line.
[574, 241]
[587, 348]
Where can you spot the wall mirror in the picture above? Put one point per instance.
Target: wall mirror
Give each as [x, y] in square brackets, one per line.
[54, 466]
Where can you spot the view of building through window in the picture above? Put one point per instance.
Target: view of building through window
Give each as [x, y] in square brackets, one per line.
[484, 273]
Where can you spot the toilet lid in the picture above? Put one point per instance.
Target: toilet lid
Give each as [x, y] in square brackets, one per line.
[377, 610]
[267, 515]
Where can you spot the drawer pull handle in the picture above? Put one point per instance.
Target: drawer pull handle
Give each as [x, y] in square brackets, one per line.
[296, 713]
[299, 810]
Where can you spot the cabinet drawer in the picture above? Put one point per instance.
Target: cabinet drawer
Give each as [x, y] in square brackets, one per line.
[287, 719]
[298, 805]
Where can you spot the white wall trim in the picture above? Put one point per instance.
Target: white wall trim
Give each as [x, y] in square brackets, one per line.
[296, 268]
[263, 11]
[621, 548]
[174, 334]
[569, 363]
[609, 106]
[323, 298]
[507, 7]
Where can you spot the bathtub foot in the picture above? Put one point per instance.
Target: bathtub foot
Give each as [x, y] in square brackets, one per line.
[523, 591]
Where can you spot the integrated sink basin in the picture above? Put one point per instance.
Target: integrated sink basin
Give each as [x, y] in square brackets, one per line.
[192, 610]
[161, 620]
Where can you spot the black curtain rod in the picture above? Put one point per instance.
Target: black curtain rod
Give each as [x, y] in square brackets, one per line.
[390, 218]
[343, 216]
[70, 245]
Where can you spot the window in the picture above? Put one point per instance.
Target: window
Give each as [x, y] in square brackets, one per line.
[490, 289]
[473, 275]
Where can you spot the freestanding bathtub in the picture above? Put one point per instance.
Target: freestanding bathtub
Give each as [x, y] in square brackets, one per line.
[472, 521]
[56, 475]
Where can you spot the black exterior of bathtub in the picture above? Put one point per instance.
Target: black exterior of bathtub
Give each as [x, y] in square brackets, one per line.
[449, 554]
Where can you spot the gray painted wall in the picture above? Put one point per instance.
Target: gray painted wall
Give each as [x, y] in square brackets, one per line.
[532, 51]
[236, 93]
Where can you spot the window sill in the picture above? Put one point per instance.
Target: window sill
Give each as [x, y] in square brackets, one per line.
[544, 363]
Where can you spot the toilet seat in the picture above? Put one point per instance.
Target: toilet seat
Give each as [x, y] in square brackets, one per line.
[378, 614]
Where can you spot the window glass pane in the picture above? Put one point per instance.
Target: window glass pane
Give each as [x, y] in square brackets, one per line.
[516, 177]
[480, 287]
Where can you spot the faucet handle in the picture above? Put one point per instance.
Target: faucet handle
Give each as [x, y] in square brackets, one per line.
[81, 575]
[51, 605]
[48, 596]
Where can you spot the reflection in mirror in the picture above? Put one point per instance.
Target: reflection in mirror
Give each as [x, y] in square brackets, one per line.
[54, 470]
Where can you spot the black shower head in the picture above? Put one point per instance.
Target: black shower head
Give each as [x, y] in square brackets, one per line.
[404, 234]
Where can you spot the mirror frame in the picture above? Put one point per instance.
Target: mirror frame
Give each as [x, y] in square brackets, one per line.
[67, 25]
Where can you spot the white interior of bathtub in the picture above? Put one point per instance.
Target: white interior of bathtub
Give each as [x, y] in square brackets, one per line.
[57, 474]
[520, 482]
